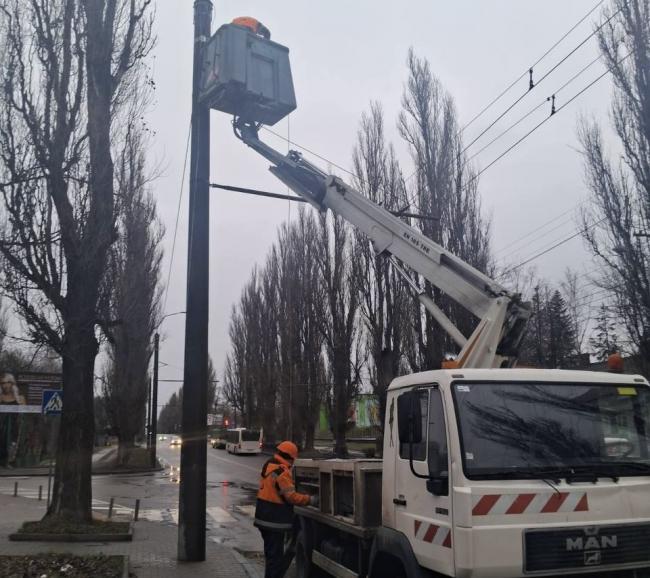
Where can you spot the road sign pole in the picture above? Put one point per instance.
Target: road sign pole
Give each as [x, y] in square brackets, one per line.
[192, 499]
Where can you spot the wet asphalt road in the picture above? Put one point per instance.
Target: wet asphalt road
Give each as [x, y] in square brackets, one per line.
[231, 487]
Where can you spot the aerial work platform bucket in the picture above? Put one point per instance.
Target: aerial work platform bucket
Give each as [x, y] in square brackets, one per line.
[247, 75]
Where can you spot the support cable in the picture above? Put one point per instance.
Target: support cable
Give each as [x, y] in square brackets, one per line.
[178, 212]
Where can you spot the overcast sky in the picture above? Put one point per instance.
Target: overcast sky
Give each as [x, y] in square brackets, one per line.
[344, 55]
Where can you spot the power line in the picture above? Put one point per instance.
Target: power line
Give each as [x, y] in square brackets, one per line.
[539, 237]
[533, 110]
[178, 212]
[542, 226]
[549, 72]
[322, 158]
[549, 249]
[353, 175]
[479, 173]
[523, 74]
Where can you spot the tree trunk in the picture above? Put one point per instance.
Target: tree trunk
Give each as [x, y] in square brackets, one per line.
[124, 450]
[340, 420]
[72, 494]
[310, 435]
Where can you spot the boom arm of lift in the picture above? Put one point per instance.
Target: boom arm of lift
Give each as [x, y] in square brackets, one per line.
[502, 315]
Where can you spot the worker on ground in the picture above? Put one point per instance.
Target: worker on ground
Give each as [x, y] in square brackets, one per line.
[274, 510]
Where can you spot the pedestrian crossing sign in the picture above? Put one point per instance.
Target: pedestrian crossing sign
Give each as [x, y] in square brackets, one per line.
[52, 401]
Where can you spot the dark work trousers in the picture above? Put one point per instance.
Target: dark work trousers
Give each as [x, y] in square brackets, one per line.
[276, 561]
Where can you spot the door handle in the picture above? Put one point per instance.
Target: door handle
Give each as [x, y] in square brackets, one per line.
[399, 502]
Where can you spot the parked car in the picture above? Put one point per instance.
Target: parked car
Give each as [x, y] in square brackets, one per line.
[218, 439]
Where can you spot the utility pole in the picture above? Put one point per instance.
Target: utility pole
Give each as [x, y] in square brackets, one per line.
[154, 400]
[192, 499]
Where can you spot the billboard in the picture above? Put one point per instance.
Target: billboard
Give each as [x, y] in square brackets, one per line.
[24, 431]
[23, 392]
[363, 413]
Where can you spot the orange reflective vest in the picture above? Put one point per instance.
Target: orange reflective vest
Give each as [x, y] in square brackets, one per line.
[276, 496]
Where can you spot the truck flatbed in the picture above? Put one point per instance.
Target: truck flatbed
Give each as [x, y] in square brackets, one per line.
[338, 522]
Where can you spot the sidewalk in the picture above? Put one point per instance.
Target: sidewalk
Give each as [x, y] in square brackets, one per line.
[152, 554]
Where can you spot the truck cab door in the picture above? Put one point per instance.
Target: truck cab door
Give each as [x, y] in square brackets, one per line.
[422, 504]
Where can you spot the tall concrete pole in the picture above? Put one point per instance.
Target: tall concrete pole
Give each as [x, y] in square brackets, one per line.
[192, 499]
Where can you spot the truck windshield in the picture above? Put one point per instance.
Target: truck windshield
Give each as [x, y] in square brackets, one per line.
[521, 430]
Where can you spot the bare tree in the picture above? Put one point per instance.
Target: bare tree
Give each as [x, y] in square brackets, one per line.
[300, 299]
[274, 375]
[339, 323]
[68, 67]
[446, 190]
[616, 224]
[577, 308]
[135, 291]
[384, 299]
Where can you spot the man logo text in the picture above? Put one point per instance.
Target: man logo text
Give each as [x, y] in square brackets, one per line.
[591, 543]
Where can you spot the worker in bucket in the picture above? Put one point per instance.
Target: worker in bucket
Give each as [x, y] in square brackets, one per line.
[274, 510]
[253, 25]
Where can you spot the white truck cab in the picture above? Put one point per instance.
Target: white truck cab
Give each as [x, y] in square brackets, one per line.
[513, 472]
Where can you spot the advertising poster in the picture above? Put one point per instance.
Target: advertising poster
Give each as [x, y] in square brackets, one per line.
[23, 428]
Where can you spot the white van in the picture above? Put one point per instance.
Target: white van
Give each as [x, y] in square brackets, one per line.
[244, 441]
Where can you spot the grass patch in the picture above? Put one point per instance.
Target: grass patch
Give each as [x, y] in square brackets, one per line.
[57, 525]
[61, 566]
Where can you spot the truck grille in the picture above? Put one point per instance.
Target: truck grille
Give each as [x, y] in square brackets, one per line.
[587, 548]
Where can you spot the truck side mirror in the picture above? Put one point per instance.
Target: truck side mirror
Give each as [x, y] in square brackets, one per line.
[409, 418]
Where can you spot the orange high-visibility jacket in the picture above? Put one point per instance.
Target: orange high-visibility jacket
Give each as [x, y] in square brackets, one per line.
[276, 496]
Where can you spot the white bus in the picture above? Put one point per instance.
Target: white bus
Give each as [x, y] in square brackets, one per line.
[244, 441]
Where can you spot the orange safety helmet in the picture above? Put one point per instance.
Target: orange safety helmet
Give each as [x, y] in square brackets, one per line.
[254, 25]
[288, 449]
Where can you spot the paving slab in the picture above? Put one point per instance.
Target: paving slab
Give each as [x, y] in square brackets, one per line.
[152, 553]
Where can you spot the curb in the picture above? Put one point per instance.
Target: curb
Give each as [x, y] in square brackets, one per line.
[35, 537]
[43, 472]
[250, 568]
[160, 468]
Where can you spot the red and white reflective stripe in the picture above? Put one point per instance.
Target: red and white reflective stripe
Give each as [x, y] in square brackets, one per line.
[509, 504]
[432, 533]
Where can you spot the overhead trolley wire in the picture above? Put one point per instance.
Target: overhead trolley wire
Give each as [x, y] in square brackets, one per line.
[506, 90]
[531, 131]
[535, 109]
[538, 82]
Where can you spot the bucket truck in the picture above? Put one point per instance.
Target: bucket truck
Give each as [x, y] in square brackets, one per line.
[488, 471]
